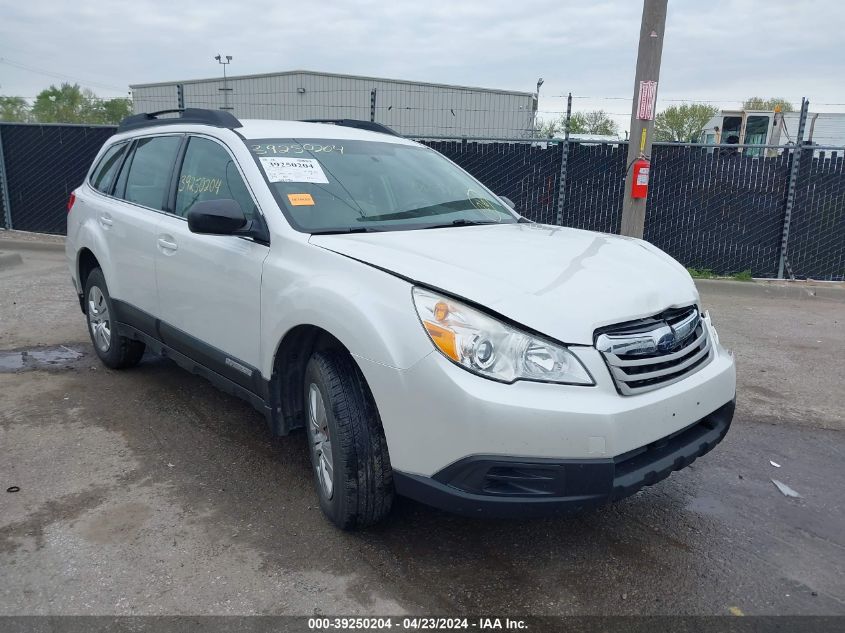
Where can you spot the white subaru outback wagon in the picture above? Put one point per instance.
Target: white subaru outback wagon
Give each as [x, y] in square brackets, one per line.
[431, 342]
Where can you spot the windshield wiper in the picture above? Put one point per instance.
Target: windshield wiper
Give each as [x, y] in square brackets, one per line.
[350, 229]
[441, 208]
[460, 222]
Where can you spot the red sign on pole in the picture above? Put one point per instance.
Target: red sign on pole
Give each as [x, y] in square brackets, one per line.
[645, 104]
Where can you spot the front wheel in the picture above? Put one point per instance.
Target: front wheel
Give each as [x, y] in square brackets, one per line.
[115, 351]
[348, 449]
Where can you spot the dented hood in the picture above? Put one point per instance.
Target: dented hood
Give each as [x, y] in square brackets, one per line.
[562, 282]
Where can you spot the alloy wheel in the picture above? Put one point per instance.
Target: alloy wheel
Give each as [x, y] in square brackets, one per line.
[98, 319]
[320, 439]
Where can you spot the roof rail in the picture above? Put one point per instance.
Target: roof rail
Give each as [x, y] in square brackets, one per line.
[372, 126]
[216, 118]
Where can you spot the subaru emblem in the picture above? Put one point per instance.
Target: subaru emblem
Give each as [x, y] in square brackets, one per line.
[667, 342]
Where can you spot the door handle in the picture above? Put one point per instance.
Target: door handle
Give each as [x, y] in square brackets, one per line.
[167, 245]
[106, 221]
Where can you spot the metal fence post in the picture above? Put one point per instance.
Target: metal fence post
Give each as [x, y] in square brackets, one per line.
[4, 186]
[373, 105]
[564, 159]
[793, 182]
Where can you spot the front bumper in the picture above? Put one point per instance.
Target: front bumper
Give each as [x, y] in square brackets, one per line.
[516, 487]
[436, 414]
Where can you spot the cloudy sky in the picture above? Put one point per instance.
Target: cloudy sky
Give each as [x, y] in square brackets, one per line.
[719, 51]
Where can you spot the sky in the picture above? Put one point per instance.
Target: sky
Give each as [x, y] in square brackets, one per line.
[720, 51]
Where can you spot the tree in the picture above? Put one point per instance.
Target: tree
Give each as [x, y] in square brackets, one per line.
[594, 122]
[683, 123]
[14, 109]
[71, 104]
[66, 104]
[114, 110]
[758, 103]
[547, 128]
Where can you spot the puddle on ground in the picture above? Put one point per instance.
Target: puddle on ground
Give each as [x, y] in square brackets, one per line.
[37, 358]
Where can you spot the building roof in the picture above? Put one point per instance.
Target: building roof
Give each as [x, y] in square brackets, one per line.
[336, 75]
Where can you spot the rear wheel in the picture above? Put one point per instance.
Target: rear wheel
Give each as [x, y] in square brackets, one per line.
[115, 351]
[348, 449]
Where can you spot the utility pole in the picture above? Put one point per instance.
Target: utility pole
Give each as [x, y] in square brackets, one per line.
[642, 109]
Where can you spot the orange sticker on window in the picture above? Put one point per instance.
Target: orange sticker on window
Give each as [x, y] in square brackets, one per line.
[301, 199]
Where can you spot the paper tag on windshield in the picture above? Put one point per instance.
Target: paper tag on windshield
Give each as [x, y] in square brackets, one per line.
[282, 169]
[300, 200]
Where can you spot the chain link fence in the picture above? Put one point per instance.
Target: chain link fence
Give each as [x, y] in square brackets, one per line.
[527, 173]
[716, 208]
[721, 209]
[41, 165]
[594, 184]
[725, 208]
[816, 242]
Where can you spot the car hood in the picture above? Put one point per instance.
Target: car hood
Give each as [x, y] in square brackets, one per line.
[559, 281]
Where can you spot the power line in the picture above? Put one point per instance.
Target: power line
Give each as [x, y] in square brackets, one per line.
[679, 100]
[33, 69]
[608, 98]
[103, 99]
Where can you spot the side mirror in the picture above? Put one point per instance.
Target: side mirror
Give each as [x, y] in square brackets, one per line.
[508, 202]
[216, 217]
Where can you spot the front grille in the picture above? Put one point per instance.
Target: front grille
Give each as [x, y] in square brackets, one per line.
[650, 353]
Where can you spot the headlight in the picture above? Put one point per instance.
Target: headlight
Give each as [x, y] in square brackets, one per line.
[493, 349]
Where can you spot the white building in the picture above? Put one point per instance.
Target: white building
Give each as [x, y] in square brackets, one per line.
[411, 108]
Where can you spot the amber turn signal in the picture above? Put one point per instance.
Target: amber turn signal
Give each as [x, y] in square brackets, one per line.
[443, 338]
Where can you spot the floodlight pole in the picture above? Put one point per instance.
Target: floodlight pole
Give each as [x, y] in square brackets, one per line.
[540, 82]
[224, 60]
[642, 109]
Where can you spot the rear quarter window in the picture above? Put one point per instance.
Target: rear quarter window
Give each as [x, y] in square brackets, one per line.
[104, 172]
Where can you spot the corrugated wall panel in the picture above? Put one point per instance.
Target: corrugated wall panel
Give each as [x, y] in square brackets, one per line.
[410, 108]
[155, 98]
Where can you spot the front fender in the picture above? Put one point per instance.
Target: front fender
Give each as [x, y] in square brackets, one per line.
[368, 310]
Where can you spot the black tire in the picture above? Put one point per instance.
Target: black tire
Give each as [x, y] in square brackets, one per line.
[362, 479]
[119, 352]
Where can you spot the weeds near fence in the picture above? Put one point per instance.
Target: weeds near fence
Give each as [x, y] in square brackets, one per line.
[706, 273]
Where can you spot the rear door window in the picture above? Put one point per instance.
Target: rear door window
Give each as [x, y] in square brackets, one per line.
[150, 171]
[103, 174]
[209, 173]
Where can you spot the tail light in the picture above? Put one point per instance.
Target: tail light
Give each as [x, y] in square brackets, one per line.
[70, 201]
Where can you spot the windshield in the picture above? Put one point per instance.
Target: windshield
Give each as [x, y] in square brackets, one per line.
[327, 185]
